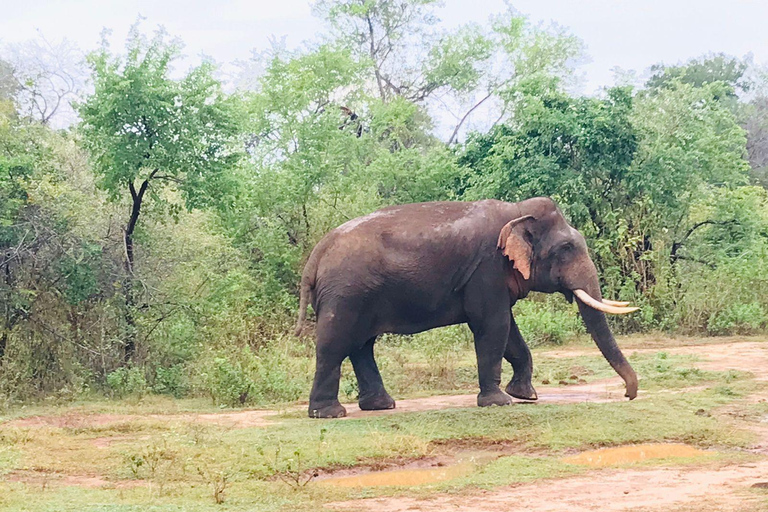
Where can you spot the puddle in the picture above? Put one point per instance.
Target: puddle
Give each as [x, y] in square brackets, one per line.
[635, 453]
[463, 465]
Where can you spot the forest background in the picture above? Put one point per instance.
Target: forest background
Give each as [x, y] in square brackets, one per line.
[155, 244]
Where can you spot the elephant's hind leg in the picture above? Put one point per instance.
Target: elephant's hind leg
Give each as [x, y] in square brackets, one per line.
[519, 356]
[331, 351]
[324, 398]
[373, 396]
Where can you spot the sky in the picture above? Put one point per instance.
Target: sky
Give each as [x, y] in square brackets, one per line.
[630, 34]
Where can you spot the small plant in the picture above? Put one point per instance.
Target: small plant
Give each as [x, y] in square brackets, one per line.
[216, 479]
[349, 386]
[153, 463]
[290, 469]
[15, 436]
[738, 319]
[170, 381]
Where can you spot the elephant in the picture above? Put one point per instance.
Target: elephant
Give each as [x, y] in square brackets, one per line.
[409, 268]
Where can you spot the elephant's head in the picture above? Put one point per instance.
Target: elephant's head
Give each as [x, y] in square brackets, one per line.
[552, 257]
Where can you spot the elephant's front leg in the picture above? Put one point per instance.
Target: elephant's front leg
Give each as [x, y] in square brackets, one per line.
[490, 340]
[519, 356]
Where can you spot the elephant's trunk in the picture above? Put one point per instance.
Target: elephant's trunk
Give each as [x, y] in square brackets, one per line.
[597, 325]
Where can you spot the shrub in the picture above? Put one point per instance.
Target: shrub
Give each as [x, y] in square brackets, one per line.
[279, 371]
[170, 381]
[550, 321]
[127, 382]
[227, 382]
[738, 319]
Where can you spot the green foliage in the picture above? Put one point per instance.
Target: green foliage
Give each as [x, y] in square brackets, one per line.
[276, 373]
[227, 382]
[171, 381]
[127, 381]
[139, 121]
[729, 71]
[547, 322]
[240, 187]
[630, 171]
[738, 319]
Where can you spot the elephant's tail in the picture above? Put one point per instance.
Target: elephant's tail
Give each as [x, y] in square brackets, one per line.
[307, 284]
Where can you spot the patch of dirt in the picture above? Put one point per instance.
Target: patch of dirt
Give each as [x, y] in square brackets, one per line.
[604, 390]
[499, 447]
[44, 479]
[378, 466]
[746, 356]
[106, 442]
[73, 420]
[235, 419]
[605, 490]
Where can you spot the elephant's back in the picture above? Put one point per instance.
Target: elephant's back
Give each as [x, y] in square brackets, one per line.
[408, 243]
[432, 220]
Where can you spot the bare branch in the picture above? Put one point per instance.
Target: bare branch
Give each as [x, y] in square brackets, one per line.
[455, 133]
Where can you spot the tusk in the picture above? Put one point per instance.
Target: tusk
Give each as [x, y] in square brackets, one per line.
[600, 306]
[621, 304]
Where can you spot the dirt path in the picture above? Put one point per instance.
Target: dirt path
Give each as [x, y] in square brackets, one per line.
[606, 491]
[605, 390]
[744, 356]
[74, 420]
[653, 489]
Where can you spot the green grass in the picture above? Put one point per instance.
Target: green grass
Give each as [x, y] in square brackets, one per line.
[177, 463]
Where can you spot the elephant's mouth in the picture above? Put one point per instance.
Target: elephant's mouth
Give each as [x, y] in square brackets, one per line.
[606, 306]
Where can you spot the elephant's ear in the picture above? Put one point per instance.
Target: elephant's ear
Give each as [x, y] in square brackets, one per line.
[513, 244]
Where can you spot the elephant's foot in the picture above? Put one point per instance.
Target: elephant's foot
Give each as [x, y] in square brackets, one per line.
[332, 410]
[495, 397]
[522, 390]
[376, 402]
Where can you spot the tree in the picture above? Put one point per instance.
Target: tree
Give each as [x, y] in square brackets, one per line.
[718, 67]
[755, 122]
[147, 131]
[47, 78]
[8, 84]
[577, 150]
[627, 169]
[383, 32]
[409, 56]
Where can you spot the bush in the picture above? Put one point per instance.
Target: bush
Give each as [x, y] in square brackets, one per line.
[227, 382]
[738, 319]
[279, 371]
[127, 382]
[550, 321]
[170, 381]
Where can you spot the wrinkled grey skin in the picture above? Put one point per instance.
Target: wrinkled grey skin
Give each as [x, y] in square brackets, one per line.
[409, 268]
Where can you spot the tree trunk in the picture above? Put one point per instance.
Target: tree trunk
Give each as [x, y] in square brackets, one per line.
[128, 282]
